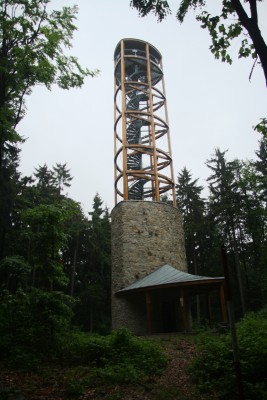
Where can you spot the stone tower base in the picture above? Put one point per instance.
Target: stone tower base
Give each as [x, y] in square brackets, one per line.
[145, 235]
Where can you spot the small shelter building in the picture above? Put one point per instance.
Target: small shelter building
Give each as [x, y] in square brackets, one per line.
[165, 298]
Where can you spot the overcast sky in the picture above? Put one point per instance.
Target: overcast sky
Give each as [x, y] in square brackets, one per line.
[210, 104]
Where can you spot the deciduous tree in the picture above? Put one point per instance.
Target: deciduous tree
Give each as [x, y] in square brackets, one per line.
[33, 44]
[234, 19]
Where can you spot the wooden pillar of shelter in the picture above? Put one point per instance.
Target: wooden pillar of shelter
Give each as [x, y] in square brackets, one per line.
[223, 303]
[184, 310]
[209, 308]
[148, 313]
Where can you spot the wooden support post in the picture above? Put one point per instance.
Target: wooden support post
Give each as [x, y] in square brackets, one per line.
[154, 166]
[148, 313]
[209, 309]
[124, 125]
[183, 306]
[223, 304]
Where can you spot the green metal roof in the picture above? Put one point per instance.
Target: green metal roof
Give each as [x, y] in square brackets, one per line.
[167, 275]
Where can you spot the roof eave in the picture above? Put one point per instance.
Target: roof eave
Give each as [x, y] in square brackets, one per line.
[200, 282]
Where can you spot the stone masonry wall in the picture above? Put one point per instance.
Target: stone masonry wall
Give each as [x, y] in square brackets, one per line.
[145, 235]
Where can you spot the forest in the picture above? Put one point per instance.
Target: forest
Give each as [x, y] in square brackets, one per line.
[54, 255]
[55, 260]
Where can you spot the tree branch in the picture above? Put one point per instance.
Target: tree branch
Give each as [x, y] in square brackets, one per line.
[35, 34]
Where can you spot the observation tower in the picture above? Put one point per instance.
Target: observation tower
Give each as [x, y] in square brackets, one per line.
[146, 233]
[143, 159]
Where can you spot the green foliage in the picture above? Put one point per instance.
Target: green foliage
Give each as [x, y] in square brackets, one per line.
[14, 272]
[222, 34]
[44, 230]
[31, 324]
[115, 358]
[233, 21]
[136, 353]
[261, 127]
[196, 225]
[253, 350]
[93, 312]
[82, 348]
[213, 368]
[32, 44]
[62, 176]
[158, 7]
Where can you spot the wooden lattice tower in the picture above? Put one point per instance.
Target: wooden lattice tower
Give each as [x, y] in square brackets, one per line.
[143, 160]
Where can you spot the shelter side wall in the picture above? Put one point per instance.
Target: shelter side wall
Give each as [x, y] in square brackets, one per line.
[130, 313]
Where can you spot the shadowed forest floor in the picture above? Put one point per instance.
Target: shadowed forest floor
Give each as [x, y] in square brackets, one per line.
[57, 383]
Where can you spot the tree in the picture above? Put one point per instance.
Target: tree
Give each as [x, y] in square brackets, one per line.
[44, 231]
[32, 45]
[45, 177]
[225, 207]
[62, 176]
[253, 233]
[261, 162]
[192, 207]
[9, 188]
[233, 20]
[76, 252]
[94, 271]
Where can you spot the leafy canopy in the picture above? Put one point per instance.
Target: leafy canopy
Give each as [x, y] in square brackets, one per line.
[33, 43]
[234, 20]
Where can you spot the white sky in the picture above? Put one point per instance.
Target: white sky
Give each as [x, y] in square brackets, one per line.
[210, 104]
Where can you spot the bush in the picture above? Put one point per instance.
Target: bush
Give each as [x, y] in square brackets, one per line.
[118, 357]
[31, 324]
[213, 365]
[134, 355]
[35, 327]
[213, 368]
[252, 334]
[82, 348]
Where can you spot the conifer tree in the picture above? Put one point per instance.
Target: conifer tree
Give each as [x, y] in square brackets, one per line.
[192, 207]
[225, 208]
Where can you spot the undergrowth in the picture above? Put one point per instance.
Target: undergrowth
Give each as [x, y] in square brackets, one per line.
[119, 357]
[213, 368]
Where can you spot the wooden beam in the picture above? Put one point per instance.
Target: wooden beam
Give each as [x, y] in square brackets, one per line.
[156, 194]
[168, 138]
[148, 313]
[124, 125]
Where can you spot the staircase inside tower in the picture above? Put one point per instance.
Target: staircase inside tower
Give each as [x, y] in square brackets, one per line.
[133, 134]
[136, 72]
